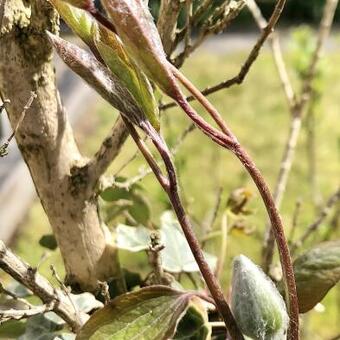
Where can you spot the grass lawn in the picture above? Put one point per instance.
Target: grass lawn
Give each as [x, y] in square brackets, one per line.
[257, 113]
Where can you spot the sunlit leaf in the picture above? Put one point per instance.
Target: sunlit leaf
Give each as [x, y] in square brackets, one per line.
[98, 77]
[135, 26]
[316, 272]
[257, 305]
[85, 302]
[150, 313]
[132, 238]
[177, 256]
[78, 20]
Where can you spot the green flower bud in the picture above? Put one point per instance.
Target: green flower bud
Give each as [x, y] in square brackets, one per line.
[257, 305]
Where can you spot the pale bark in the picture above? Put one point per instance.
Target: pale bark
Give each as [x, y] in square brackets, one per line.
[47, 144]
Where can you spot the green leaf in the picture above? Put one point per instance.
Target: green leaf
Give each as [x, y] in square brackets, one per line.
[140, 209]
[48, 241]
[316, 272]
[151, 314]
[78, 20]
[118, 61]
[18, 289]
[98, 77]
[133, 239]
[257, 305]
[85, 302]
[195, 323]
[177, 256]
[40, 328]
[136, 28]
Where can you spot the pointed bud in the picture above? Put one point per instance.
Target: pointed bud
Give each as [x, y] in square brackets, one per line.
[134, 25]
[257, 305]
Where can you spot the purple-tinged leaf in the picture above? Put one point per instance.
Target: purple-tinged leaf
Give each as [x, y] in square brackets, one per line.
[78, 20]
[99, 78]
[151, 313]
[118, 61]
[135, 26]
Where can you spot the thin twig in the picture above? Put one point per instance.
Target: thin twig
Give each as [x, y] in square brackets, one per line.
[17, 314]
[24, 274]
[238, 79]
[312, 228]
[4, 147]
[297, 114]
[337, 337]
[296, 215]
[223, 251]
[107, 152]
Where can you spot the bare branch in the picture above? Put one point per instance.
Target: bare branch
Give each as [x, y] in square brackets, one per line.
[16, 314]
[298, 112]
[27, 276]
[239, 78]
[277, 53]
[4, 147]
[312, 228]
[107, 152]
[167, 23]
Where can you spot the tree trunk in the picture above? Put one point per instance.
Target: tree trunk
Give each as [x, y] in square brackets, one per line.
[47, 144]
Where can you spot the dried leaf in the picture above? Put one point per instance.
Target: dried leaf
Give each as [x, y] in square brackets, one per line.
[150, 313]
[98, 77]
[135, 27]
[316, 272]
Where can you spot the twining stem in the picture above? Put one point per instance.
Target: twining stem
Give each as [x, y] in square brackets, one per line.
[229, 141]
[170, 186]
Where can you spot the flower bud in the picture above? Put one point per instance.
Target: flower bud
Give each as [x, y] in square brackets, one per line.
[257, 305]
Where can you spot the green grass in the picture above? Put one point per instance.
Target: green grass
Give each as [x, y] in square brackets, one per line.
[257, 113]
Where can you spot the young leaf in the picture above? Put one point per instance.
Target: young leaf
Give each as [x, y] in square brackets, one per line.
[133, 239]
[177, 256]
[257, 305]
[316, 272]
[117, 60]
[78, 20]
[135, 27]
[98, 77]
[150, 313]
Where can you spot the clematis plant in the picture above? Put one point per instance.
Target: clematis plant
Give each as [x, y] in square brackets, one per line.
[127, 56]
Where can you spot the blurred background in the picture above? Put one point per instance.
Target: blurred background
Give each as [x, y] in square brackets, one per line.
[258, 114]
